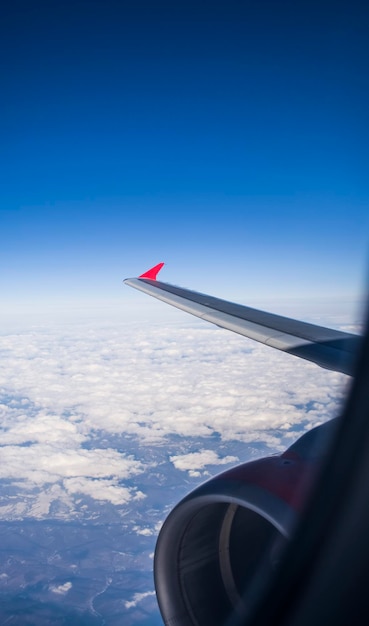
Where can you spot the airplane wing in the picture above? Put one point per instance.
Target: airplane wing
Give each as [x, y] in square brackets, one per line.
[329, 348]
[218, 551]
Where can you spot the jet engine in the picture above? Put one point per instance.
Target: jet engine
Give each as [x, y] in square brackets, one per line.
[221, 543]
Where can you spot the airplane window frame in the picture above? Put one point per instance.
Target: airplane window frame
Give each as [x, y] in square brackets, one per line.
[323, 577]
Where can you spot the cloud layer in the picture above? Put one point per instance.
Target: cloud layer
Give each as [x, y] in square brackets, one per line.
[84, 409]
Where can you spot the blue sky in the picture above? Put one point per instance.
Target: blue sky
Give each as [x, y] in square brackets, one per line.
[230, 141]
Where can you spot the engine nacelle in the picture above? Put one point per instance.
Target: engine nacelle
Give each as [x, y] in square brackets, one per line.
[222, 541]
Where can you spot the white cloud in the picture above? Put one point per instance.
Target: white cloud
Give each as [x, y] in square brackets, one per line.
[42, 463]
[98, 489]
[145, 532]
[42, 428]
[138, 597]
[61, 589]
[199, 460]
[45, 475]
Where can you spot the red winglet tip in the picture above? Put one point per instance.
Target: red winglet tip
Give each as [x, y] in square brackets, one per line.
[153, 272]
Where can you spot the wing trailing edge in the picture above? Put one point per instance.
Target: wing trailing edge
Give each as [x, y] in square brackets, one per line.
[328, 348]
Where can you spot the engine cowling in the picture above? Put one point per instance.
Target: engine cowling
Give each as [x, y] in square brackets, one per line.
[219, 545]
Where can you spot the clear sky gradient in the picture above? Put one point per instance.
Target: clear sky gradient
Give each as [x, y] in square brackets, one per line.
[229, 140]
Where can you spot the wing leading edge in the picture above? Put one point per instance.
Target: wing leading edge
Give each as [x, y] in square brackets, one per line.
[329, 348]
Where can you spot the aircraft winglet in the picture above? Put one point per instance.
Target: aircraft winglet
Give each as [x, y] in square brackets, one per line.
[153, 272]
